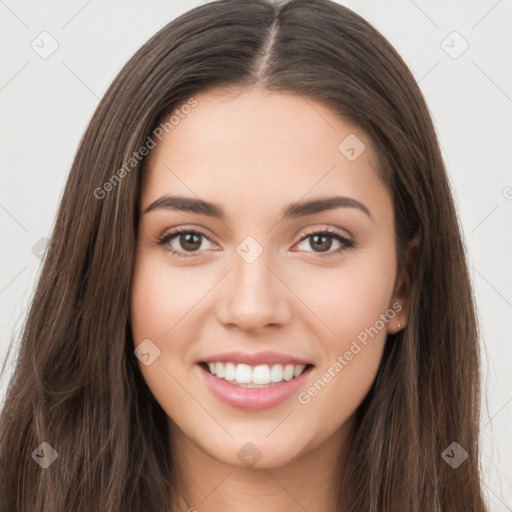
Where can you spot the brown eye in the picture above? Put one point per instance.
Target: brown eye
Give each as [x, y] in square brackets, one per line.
[190, 241]
[181, 241]
[185, 243]
[321, 243]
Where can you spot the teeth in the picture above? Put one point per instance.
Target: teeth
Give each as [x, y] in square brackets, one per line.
[297, 370]
[288, 372]
[219, 370]
[255, 376]
[243, 373]
[261, 374]
[276, 374]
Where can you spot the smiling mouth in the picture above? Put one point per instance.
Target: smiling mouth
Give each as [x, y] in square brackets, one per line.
[258, 376]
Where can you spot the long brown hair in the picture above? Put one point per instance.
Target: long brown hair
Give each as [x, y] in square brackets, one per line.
[76, 385]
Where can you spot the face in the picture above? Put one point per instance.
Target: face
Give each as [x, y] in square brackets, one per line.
[288, 305]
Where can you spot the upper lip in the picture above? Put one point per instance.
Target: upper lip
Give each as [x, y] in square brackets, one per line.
[257, 358]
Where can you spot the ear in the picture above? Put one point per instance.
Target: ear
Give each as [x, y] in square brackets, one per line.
[401, 294]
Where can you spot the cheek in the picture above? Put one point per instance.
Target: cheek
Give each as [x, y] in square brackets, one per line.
[349, 299]
[166, 308]
[157, 305]
[360, 302]
[350, 363]
[155, 309]
[149, 303]
[160, 297]
[353, 302]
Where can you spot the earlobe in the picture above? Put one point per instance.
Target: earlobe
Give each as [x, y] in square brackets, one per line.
[403, 285]
[397, 324]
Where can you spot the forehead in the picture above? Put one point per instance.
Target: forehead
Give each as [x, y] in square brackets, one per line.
[257, 147]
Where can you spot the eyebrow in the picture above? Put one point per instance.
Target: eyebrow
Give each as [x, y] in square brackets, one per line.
[294, 210]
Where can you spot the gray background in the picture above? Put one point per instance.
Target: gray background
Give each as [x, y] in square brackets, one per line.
[46, 104]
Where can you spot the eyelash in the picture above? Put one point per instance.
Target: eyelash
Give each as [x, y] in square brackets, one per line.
[346, 243]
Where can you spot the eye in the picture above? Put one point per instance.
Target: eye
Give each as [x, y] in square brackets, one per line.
[322, 240]
[190, 242]
[188, 239]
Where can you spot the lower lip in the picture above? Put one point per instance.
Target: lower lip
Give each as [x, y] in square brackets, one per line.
[252, 399]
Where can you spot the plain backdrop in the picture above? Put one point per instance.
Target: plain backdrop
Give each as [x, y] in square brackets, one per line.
[46, 102]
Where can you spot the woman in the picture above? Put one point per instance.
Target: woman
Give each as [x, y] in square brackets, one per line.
[196, 342]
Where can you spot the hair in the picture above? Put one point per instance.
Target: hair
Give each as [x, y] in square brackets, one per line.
[76, 384]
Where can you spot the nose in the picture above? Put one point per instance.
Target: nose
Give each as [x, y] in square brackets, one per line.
[254, 296]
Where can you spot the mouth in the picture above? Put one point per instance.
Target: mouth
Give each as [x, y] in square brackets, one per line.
[255, 377]
[256, 386]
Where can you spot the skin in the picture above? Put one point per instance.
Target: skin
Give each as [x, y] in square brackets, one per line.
[253, 153]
